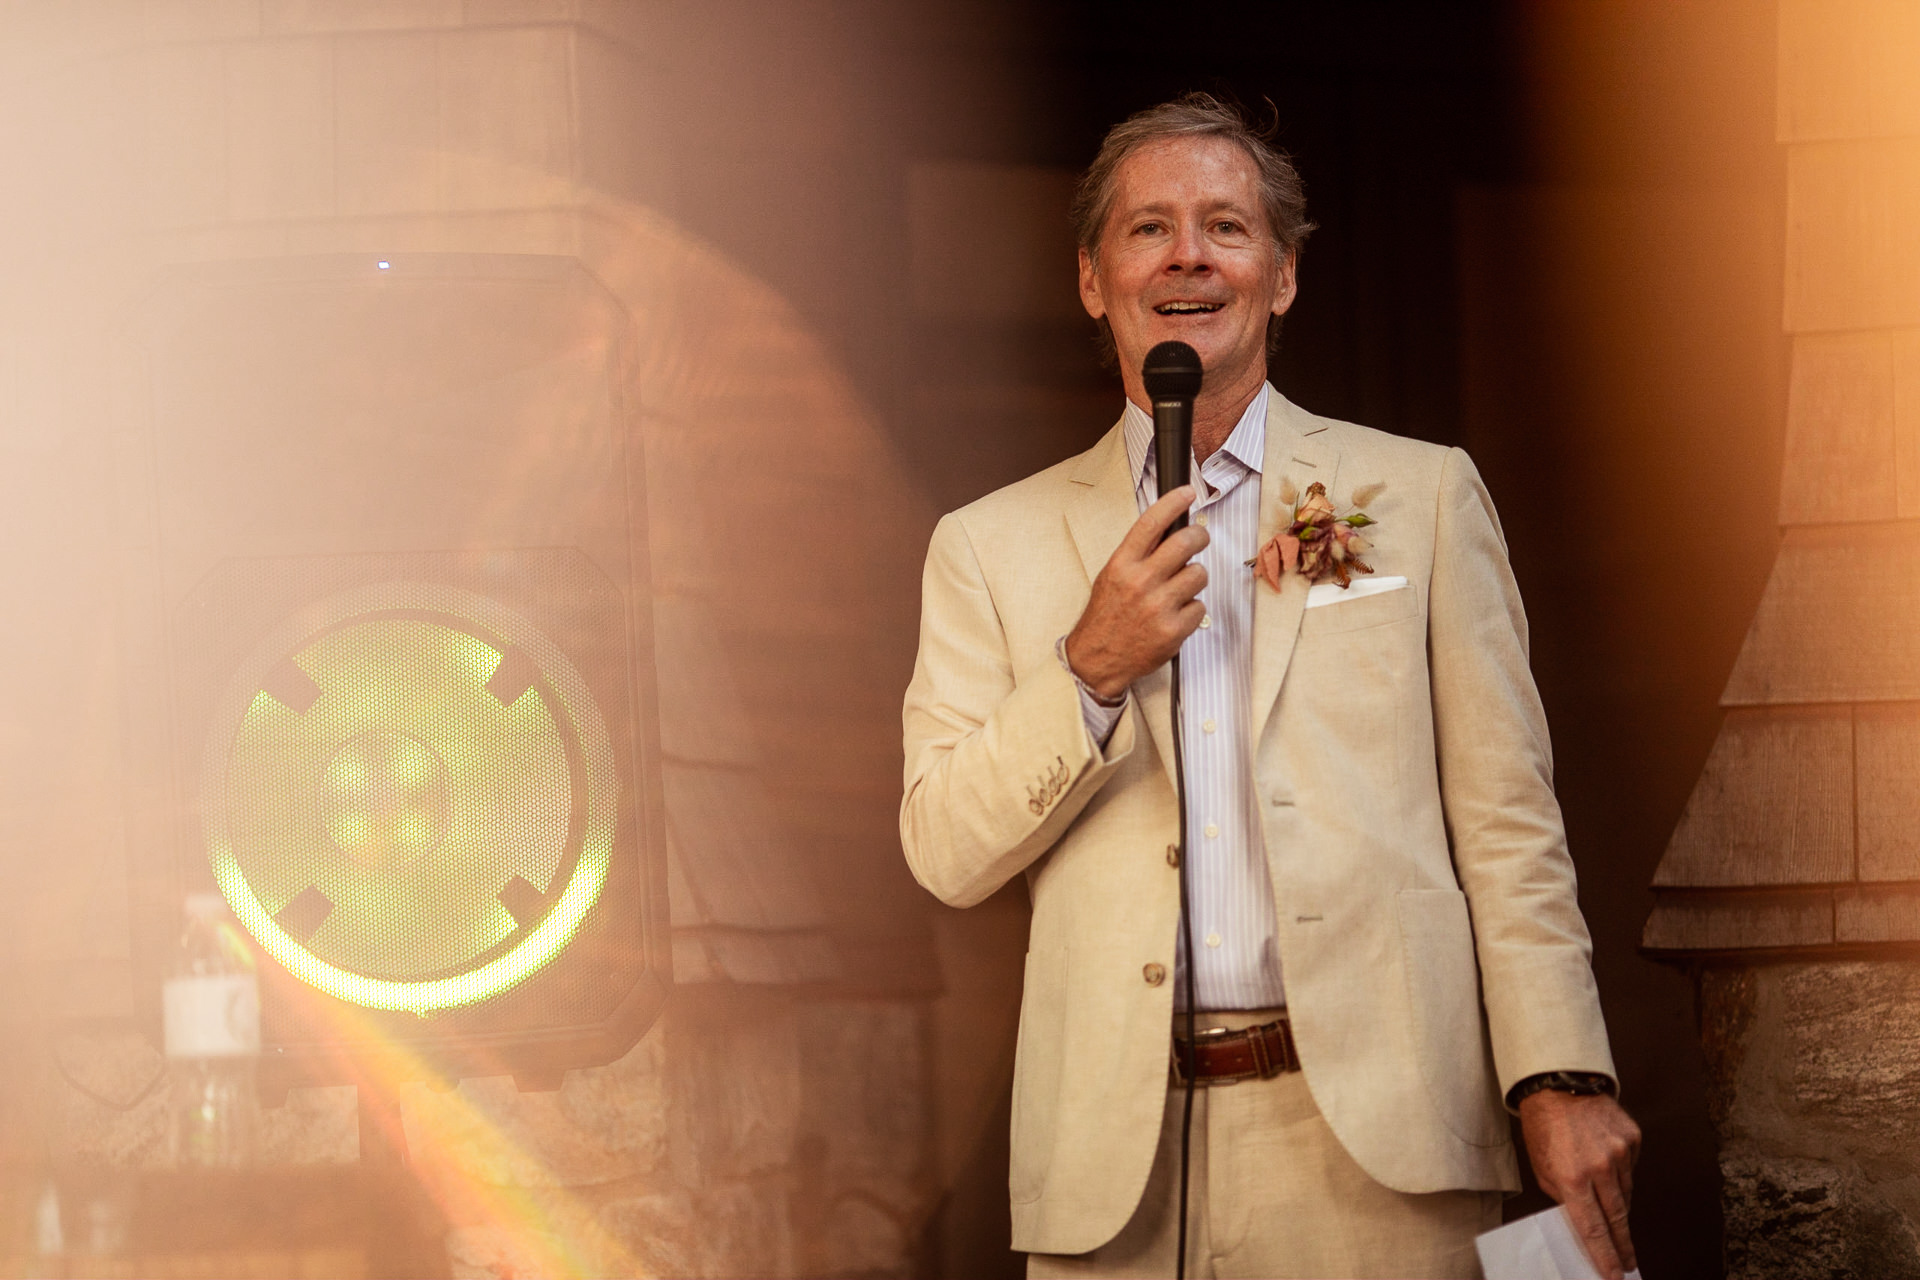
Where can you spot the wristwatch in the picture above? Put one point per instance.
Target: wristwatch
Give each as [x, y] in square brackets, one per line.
[1581, 1084]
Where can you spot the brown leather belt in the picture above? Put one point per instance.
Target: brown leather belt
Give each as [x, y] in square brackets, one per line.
[1221, 1056]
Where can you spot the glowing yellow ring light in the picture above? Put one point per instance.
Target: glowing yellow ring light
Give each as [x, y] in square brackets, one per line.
[539, 948]
[410, 661]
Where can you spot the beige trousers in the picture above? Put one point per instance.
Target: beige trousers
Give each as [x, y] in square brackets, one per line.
[1273, 1193]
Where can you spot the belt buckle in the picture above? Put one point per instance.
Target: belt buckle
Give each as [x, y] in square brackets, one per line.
[1205, 1082]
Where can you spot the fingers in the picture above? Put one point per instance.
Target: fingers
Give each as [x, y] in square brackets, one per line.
[1189, 582]
[1596, 1233]
[1181, 546]
[1155, 521]
[1142, 608]
[1177, 613]
[1583, 1151]
[1616, 1199]
[1614, 1186]
[1613, 1207]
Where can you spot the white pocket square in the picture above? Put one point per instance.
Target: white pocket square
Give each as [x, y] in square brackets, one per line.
[1334, 593]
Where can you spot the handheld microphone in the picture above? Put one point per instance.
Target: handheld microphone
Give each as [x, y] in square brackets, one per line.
[1172, 375]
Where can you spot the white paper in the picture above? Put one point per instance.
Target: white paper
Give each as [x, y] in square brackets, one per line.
[1334, 593]
[1542, 1247]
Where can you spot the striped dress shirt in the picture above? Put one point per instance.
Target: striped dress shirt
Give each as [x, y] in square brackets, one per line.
[1236, 956]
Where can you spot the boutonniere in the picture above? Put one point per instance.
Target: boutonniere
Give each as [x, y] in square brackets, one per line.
[1317, 544]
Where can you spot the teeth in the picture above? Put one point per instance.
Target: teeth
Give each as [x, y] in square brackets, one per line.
[1186, 308]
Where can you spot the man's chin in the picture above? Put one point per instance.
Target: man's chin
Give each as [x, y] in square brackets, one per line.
[1216, 352]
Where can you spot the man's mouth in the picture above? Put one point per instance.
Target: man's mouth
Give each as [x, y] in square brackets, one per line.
[1188, 308]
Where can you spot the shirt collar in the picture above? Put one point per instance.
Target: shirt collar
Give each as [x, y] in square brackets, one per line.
[1247, 444]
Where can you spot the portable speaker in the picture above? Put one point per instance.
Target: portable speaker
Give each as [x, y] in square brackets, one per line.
[387, 562]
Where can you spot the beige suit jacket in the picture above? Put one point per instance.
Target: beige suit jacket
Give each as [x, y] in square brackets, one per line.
[1433, 951]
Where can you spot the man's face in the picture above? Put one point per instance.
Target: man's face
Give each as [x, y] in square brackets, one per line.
[1186, 253]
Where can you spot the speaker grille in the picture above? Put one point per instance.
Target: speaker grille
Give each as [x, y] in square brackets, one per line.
[411, 797]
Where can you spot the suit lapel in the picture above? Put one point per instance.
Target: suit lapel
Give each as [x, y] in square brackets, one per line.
[1299, 448]
[1100, 510]
[1101, 507]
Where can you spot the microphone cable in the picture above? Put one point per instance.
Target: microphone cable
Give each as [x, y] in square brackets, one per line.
[1172, 376]
[1186, 953]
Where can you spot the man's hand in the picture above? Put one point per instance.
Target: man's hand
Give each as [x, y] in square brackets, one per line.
[1583, 1151]
[1143, 603]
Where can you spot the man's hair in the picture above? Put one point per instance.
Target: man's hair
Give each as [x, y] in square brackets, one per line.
[1193, 115]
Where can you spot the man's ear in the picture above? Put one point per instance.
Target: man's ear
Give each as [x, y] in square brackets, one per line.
[1286, 286]
[1090, 287]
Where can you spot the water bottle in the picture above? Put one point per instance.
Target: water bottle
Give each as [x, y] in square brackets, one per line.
[211, 1002]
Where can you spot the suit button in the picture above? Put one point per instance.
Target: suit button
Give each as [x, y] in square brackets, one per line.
[1173, 855]
[1155, 974]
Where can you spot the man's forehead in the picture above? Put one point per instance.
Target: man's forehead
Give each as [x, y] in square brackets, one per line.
[1211, 172]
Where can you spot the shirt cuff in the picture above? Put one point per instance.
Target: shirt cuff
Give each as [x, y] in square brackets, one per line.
[1099, 717]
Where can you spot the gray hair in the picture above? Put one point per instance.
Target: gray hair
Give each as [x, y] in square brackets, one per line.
[1194, 115]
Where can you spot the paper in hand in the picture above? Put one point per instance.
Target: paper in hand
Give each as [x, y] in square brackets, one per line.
[1542, 1247]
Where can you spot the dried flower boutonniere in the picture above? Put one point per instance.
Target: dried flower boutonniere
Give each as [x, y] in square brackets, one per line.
[1317, 544]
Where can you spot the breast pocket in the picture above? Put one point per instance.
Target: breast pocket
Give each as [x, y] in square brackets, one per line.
[1361, 612]
[1356, 665]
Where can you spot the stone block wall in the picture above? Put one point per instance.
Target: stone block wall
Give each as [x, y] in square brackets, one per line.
[751, 1132]
[1814, 1084]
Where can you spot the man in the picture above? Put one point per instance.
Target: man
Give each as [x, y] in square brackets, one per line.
[1387, 943]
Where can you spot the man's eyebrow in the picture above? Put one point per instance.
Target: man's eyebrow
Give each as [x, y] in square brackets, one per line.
[1160, 208]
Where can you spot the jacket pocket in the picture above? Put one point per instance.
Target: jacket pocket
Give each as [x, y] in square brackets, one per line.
[1036, 1073]
[1353, 674]
[1361, 612]
[1449, 1029]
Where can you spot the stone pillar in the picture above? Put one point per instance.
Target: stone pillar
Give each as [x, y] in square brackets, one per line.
[1791, 886]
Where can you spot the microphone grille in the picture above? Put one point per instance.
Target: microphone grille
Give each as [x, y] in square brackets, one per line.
[1171, 371]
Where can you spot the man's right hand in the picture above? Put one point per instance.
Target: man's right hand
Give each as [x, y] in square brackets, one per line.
[1143, 605]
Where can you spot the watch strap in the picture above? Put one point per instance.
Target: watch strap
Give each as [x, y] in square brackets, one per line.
[1581, 1084]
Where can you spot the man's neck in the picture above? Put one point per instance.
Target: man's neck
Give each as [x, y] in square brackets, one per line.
[1214, 421]
[1215, 414]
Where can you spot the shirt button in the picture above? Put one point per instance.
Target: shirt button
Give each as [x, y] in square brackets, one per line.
[1206, 726]
[1212, 831]
[1201, 519]
[1155, 974]
[1206, 620]
[1213, 939]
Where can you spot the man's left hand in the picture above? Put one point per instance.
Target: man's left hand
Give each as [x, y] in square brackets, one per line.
[1583, 1150]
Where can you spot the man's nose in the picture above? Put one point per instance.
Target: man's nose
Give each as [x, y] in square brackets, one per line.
[1190, 251]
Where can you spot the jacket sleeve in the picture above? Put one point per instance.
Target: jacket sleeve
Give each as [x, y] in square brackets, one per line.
[1496, 785]
[998, 758]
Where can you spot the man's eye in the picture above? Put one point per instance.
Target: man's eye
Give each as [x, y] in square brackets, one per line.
[1147, 229]
[1226, 227]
